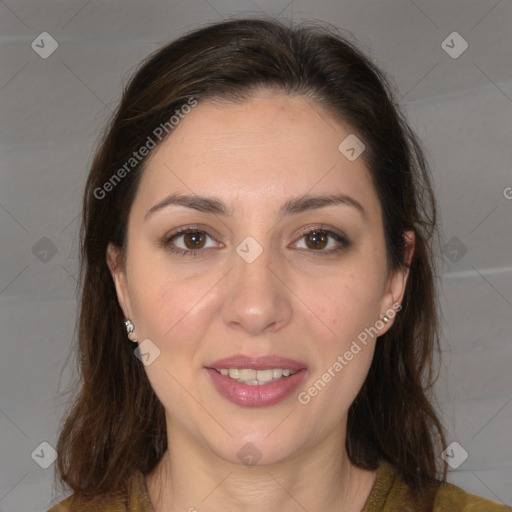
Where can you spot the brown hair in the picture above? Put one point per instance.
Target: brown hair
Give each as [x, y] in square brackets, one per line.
[116, 424]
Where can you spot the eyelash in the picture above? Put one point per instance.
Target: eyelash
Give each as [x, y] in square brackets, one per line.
[338, 236]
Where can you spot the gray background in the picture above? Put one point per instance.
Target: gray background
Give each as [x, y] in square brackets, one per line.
[52, 113]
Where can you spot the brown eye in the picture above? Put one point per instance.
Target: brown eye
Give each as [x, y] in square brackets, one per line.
[323, 241]
[194, 240]
[316, 239]
[189, 242]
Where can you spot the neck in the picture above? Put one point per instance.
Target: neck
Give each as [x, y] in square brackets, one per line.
[322, 478]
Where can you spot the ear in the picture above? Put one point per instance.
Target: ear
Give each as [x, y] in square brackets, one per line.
[396, 283]
[119, 276]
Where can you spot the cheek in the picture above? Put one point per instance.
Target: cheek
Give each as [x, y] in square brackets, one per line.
[343, 353]
[347, 303]
[344, 305]
[174, 315]
[171, 310]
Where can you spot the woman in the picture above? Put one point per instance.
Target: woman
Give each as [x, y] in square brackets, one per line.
[259, 220]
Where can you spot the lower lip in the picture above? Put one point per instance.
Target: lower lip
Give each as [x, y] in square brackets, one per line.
[256, 396]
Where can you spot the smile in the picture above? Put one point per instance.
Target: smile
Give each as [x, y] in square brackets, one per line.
[255, 377]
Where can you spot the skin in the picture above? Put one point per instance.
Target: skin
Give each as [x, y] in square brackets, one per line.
[291, 301]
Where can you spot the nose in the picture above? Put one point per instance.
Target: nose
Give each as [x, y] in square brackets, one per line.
[257, 300]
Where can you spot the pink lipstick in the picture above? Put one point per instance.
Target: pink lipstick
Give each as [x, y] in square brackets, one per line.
[256, 381]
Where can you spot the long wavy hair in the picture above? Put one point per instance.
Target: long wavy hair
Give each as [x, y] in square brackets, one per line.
[115, 425]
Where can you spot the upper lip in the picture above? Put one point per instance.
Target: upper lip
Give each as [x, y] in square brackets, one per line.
[257, 363]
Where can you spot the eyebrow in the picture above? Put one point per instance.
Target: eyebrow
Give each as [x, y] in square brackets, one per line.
[292, 206]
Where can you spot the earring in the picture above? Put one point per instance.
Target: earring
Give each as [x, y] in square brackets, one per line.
[385, 318]
[397, 307]
[130, 330]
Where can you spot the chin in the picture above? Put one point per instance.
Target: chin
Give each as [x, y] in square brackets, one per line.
[254, 450]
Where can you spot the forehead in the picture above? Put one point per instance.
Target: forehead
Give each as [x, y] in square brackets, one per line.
[255, 153]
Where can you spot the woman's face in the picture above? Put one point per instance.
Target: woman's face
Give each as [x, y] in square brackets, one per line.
[247, 287]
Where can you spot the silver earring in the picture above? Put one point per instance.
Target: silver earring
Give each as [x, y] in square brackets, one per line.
[385, 318]
[130, 329]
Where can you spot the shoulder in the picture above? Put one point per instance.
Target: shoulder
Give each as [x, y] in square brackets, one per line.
[135, 500]
[449, 498]
[391, 494]
[71, 504]
[62, 506]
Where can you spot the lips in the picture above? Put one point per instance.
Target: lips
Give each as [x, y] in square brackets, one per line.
[257, 363]
[260, 395]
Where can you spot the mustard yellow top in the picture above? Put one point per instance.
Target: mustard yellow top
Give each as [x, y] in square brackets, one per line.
[389, 494]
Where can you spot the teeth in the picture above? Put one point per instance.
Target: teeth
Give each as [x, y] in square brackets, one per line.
[244, 375]
[265, 375]
[255, 377]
